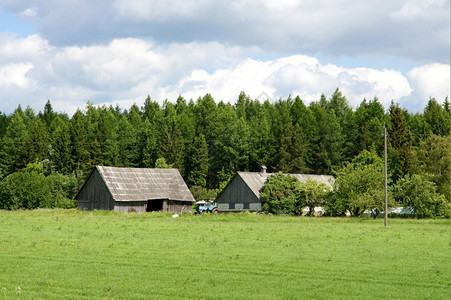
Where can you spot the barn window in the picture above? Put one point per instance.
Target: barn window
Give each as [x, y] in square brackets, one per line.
[246, 206]
[231, 205]
[154, 205]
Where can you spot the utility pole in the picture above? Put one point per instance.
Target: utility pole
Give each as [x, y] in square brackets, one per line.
[385, 171]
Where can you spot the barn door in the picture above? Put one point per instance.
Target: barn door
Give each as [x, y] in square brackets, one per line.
[154, 205]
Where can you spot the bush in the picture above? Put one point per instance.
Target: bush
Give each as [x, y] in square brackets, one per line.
[30, 189]
[281, 195]
[200, 193]
[420, 192]
[23, 190]
[359, 186]
[63, 189]
[314, 193]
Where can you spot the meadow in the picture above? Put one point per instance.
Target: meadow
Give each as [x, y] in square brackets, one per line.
[68, 254]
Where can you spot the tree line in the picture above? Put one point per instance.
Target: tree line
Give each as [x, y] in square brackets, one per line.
[208, 141]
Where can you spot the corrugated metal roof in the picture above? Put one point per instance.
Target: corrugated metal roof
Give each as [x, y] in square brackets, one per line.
[256, 180]
[141, 184]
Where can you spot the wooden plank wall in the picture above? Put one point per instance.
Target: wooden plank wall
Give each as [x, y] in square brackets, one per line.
[236, 195]
[95, 194]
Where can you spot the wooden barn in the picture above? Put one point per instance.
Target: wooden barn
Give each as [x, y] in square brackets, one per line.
[243, 191]
[135, 190]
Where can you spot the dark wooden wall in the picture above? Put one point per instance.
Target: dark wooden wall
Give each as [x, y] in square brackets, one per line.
[94, 194]
[238, 197]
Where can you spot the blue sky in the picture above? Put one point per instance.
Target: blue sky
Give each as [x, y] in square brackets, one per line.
[10, 22]
[118, 52]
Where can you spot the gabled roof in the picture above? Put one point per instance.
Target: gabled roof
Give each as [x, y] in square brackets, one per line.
[141, 184]
[256, 180]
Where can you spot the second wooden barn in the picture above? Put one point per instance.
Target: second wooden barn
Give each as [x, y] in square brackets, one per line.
[135, 190]
[243, 191]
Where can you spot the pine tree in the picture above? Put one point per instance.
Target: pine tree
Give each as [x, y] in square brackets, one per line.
[107, 136]
[4, 120]
[261, 145]
[60, 142]
[329, 141]
[198, 168]
[369, 119]
[48, 115]
[79, 141]
[127, 137]
[36, 142]
[13, 152]
[150, 109]
[172, 148]
[400, 141]
[437, 117]
[446, 106]
[150, 151]
[304, 118]
[284, 157]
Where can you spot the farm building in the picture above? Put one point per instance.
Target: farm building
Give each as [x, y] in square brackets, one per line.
[243, 191]
[135, 190]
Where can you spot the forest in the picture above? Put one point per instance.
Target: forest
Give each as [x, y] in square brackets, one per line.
[52, 153]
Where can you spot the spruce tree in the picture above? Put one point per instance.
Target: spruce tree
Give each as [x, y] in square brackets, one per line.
[400, 141]
[198, 167]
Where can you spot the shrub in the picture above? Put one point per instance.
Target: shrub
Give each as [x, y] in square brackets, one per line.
[23, 190]
[281, 195]
[420, 192]
[359, 186]
[30, 188]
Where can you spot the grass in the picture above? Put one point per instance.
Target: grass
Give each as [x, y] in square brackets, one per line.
[67, 254]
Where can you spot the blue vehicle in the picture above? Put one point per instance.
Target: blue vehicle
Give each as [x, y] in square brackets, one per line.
[206, 207]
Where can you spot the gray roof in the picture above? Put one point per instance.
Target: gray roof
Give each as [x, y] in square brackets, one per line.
[256, 180]
[141, 184]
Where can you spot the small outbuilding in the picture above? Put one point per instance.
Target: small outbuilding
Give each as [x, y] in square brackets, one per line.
[135, 190]
[243, 191]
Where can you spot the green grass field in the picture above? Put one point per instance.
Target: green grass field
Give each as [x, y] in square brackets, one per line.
[65, 254]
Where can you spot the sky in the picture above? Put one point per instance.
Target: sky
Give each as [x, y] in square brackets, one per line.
[117, 52]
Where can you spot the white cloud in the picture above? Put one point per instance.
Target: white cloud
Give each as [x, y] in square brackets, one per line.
[432, 80]
[297, 75]
[423, 9]
[28, 12]
[127, 70]
[161, 10]
[288, 27]
[14, 49]
[16, 75]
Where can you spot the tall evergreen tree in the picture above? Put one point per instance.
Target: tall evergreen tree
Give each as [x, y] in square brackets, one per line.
[446, 106]
[107, 135]
[400, 141]
[329, 142]
[437, 117]
[150, 151]
[198, 168]
[94, 137]
[48, 115]
[206, 116]
[172, 148]
[13, 152]
[79, 141]
[36, 142]
[150, 109]
[304, 118]
[419, 128]
[369, 119]
[3, 124]
[61, 144]
[292, 150]
[127, 141]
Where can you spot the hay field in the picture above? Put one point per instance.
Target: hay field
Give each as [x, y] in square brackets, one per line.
[67, 254]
